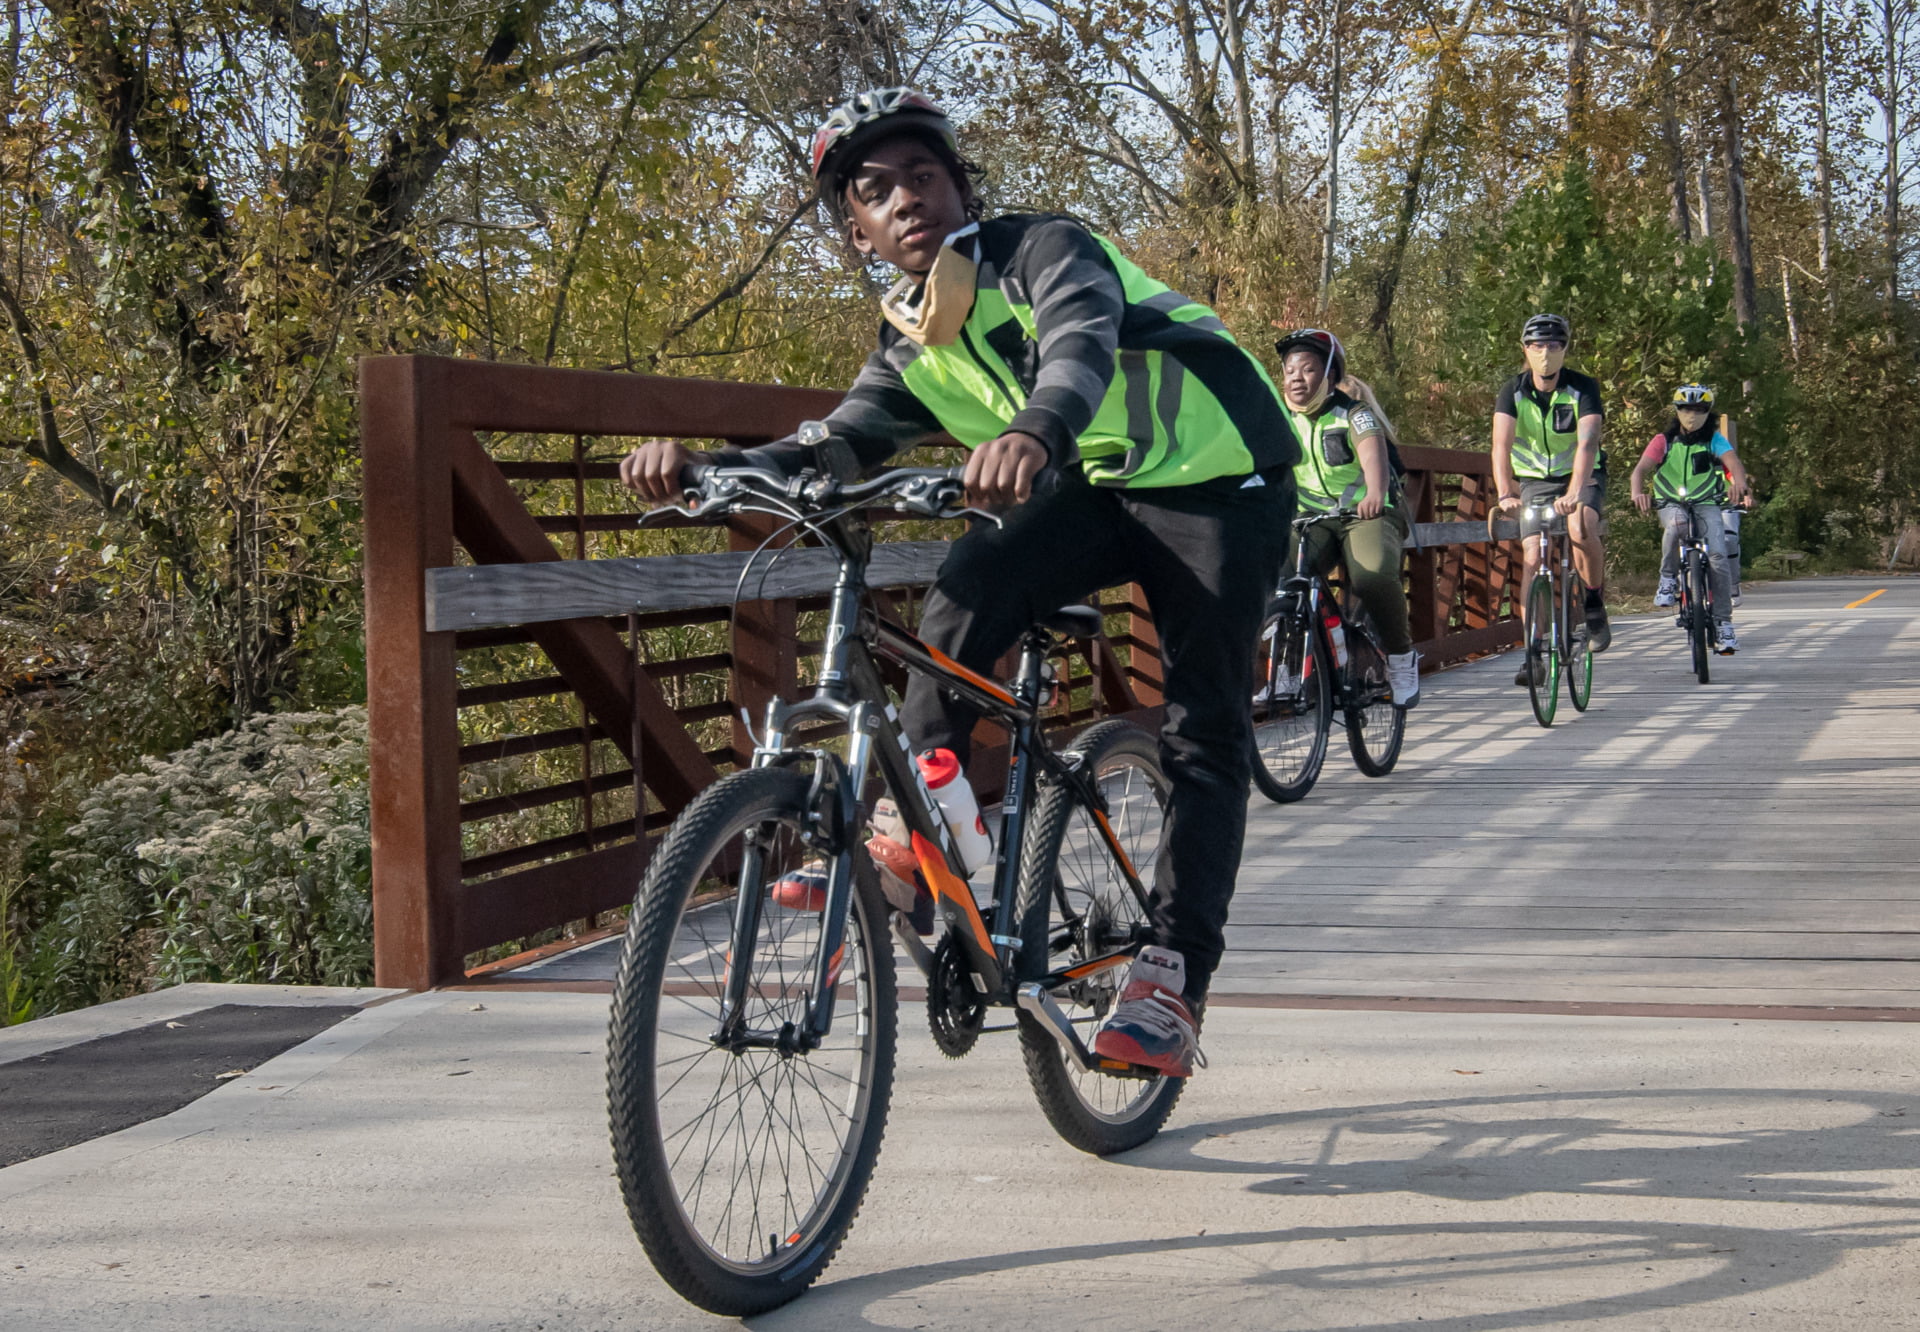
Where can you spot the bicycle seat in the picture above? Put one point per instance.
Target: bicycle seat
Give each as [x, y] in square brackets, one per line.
[1075, 621]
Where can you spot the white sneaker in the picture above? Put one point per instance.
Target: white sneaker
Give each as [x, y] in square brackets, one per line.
[1725, 642]
[1736, 596]
[1282, 685]
[1403, 678]
[1669, 592]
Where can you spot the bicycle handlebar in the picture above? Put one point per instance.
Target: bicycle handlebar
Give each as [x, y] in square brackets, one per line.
[714, 492]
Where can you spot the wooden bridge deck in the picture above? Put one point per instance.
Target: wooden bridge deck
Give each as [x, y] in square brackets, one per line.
[1748, 842]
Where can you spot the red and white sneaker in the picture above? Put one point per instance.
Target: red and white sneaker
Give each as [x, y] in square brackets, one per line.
[900, 882]
[803, 889]
[1152, 1025]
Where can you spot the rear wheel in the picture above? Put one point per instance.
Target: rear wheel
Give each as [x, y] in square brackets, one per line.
[743, 1161]
[1579, 667]
[1375, 728]
[1076, 904]
[1699, 616]
[1543, 657]
[1292, 703]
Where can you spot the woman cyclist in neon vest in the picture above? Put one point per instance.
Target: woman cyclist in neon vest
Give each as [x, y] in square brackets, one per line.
[1546, 446]
[1693, 465]
[1038, 345]
[1348, 461]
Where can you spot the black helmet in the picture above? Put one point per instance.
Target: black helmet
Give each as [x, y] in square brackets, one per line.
[1697, 396]
[1332, 354]
[860, 119]
[1547, 328]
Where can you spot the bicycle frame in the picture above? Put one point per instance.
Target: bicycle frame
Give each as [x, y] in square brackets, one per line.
[850, 690]
[1316, 591]
[1555, 563]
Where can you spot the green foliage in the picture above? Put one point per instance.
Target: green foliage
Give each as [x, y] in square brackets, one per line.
[244, 857]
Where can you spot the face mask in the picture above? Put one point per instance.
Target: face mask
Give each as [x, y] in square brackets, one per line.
[1545, 361]
[945, 298]
[1692, 421]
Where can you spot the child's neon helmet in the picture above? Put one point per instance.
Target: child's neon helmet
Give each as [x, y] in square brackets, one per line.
[1697, 396]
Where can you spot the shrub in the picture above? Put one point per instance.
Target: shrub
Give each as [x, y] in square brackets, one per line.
[244, 857]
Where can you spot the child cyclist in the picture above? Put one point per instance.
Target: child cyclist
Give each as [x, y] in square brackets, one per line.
[1693, 467]
[1348, 461]
[1038, 345]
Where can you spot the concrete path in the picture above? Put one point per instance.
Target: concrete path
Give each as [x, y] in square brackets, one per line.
[441, 1162]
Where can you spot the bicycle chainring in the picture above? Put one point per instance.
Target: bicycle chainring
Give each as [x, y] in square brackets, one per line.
[956, 1011]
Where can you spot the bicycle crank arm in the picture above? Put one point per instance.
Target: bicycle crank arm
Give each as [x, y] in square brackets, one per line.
[915, 947]
[1034, 998]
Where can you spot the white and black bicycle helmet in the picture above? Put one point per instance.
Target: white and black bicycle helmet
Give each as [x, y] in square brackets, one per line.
[1697, 396]
[1547, 328]
[860, 119]
[1332, 355]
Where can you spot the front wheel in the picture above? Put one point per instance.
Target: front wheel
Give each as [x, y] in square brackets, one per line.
[1699, 618]
[1076, 904]
[1292, 703]
[742, 1155]
[1543, 651]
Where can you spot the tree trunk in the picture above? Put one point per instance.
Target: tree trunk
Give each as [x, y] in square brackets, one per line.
[1387, 285]
[1786, 294]
[1704, 182]
[1733, 161]
[1242, 103]
[1670, 124]
[1890, 108]
[1822, 161]
[1329, 234]
[1576, 94]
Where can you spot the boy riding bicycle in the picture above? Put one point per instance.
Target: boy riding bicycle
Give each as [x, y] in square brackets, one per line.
[1035, 343]
[1348, 461]
[1546, 447]
[1695, 472]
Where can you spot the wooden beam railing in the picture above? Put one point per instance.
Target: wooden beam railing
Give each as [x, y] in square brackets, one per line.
[548, 687]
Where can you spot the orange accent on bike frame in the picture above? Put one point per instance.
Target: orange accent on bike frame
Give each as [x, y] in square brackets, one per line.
[1098, 964]
[974, 678]
[933, 866]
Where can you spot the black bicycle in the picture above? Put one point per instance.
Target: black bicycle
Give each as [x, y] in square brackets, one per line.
[1557, 638]
[751, 1051]
[1317, 653]
[1695, 611]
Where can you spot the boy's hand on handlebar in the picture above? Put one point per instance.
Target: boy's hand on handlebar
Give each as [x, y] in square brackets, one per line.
[652, 471]
[1369, 507]
[1506, 504]
[1566, 504]
[1000, 472]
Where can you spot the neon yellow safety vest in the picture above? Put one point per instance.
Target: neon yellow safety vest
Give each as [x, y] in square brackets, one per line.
[1691, 473]
[1544, 442]
[1328, 475]
[1159, 423]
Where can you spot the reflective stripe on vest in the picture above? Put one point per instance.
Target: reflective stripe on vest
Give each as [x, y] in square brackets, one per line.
[1691, 474]
[1157, 425]
[1540, 448]
[1322, 482]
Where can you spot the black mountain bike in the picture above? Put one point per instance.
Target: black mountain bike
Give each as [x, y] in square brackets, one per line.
[1300, 678]
[1557, 641]
[1695, 613]
[751, 1051]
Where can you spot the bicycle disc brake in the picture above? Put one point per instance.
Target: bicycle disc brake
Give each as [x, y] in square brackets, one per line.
[955, 1009]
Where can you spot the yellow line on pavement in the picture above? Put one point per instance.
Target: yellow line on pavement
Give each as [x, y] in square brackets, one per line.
[1864, 600]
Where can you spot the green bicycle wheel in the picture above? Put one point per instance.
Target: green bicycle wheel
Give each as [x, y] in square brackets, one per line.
[1579, 667]
[1543, 653]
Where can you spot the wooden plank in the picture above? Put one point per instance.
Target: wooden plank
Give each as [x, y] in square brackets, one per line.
[495, 595]
[1428, 535]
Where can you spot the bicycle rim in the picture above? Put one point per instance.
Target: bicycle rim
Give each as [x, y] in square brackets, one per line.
[1076, 905]
[1579, 664]
[742, 1171]
[1292, 708]
[1375, 728]
[1543, 660]
[1699, 621]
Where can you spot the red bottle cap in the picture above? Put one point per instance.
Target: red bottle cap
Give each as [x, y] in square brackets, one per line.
[938, 767]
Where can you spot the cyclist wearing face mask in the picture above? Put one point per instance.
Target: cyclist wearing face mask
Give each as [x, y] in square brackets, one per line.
[1038, 345]
[1348, 461]
[1693, 467]
[1546, 446]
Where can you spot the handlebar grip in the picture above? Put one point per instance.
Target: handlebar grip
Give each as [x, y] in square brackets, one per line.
[692, 474]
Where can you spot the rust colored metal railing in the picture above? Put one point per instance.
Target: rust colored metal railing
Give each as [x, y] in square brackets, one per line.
[546, 689]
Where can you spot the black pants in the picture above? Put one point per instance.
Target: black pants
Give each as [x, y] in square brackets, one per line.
[1208, 557]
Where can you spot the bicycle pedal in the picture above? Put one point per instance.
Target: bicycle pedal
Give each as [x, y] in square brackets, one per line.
[1120, 1068]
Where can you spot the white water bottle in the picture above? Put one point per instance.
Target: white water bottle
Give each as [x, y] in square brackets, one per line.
[1338, 633]
[941, 772]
